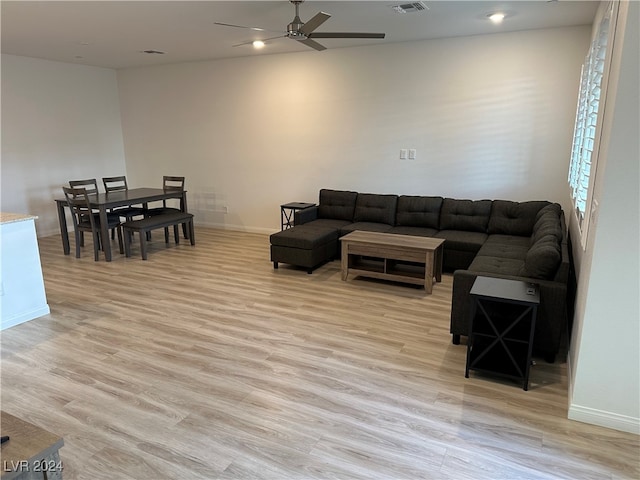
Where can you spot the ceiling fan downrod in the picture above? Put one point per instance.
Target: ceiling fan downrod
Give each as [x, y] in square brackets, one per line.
[293, 29]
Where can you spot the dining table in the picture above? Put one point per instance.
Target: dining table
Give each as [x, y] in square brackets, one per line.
[104, 202]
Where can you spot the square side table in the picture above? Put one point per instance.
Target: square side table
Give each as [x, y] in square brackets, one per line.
[502, 324]
[287, 213]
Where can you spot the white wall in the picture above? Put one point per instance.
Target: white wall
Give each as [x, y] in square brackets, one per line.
[59, 122]
[605, 356]
[490, 116]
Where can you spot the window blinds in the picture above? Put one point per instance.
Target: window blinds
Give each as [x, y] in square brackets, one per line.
[585, 130]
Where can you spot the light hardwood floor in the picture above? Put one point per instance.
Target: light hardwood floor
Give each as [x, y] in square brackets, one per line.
[204, 362]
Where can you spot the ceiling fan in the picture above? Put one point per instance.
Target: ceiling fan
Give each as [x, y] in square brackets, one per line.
[305, 32]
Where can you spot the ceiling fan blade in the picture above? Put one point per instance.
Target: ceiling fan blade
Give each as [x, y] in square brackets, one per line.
[313, 44]
[239, 26]
[314, 23]
[257, 39]
[345, 35]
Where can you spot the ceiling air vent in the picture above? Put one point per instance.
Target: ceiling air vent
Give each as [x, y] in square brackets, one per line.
[410, 7]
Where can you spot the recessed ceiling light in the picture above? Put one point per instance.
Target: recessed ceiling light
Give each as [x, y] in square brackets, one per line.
[258, 44]
[496, 17]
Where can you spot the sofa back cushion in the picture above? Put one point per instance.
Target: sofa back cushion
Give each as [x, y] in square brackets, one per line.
[514, 218]
[543, 258]
[376, 208]
[337, 204]
[466, 215]
[417, 211]
[548, 222]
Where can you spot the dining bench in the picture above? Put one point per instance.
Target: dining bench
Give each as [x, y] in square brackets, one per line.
[166, 220]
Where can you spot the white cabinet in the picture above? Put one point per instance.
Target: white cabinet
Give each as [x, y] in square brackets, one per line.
[22, 294]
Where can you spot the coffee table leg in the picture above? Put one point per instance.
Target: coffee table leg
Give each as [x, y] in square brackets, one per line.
[438, 262]
[428, 272]
[344, 261]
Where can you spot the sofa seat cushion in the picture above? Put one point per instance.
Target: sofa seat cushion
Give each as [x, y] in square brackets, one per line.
[505, 246]
[337, 204]
[306, 237]
[366, 226]
[514, 218]
[415, 231]
[496, 265]
[418, 211]
[504, 250]
[467, 215]
[462, 240]
[375, 208]
[511, 240]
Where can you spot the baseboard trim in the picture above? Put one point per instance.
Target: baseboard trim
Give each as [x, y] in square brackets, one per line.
[604, 419]
[237, 228]
[24, 317]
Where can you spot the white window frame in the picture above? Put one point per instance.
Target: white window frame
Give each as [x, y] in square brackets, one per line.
[588, 125]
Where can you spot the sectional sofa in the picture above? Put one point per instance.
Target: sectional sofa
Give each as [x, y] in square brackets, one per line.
[497, 238]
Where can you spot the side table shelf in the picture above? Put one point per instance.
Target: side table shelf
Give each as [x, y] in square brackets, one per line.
[502, 325]
[287, 213]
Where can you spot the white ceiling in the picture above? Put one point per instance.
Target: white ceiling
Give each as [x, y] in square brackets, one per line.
[114, 33]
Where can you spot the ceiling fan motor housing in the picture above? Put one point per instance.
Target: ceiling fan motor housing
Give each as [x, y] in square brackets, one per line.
[293, 29]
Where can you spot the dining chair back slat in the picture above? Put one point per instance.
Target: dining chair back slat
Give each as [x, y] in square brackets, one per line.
[115, 184]
[90, 185]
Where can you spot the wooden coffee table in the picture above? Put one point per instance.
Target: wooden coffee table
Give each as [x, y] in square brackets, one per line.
[387, 256]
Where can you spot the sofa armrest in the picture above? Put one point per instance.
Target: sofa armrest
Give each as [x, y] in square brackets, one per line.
[551, 321]
[305, 215]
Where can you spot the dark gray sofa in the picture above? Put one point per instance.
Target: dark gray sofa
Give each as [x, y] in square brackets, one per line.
[517, 240]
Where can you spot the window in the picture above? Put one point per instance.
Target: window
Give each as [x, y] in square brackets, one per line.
[586, 132]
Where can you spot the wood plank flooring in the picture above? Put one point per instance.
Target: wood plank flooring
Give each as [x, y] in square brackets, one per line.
[205, 363]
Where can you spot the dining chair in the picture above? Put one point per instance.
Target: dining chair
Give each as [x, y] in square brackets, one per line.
[85, 220]
[91, 186]
[170, 183]
[119, 184]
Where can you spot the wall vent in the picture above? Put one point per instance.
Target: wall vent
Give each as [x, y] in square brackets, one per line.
[410, 7]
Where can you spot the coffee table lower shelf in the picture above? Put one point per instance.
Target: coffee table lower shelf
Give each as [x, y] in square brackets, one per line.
[394, 277]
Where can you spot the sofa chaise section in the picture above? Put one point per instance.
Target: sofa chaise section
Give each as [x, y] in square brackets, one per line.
[313, 240]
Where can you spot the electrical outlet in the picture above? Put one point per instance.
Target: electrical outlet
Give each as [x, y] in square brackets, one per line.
[412, 154]
[403, 154]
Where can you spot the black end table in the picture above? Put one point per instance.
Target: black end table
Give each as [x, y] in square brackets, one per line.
[288, 210]
[503, 321]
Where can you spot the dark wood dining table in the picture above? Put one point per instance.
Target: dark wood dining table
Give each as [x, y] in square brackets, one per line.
[103, 202]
